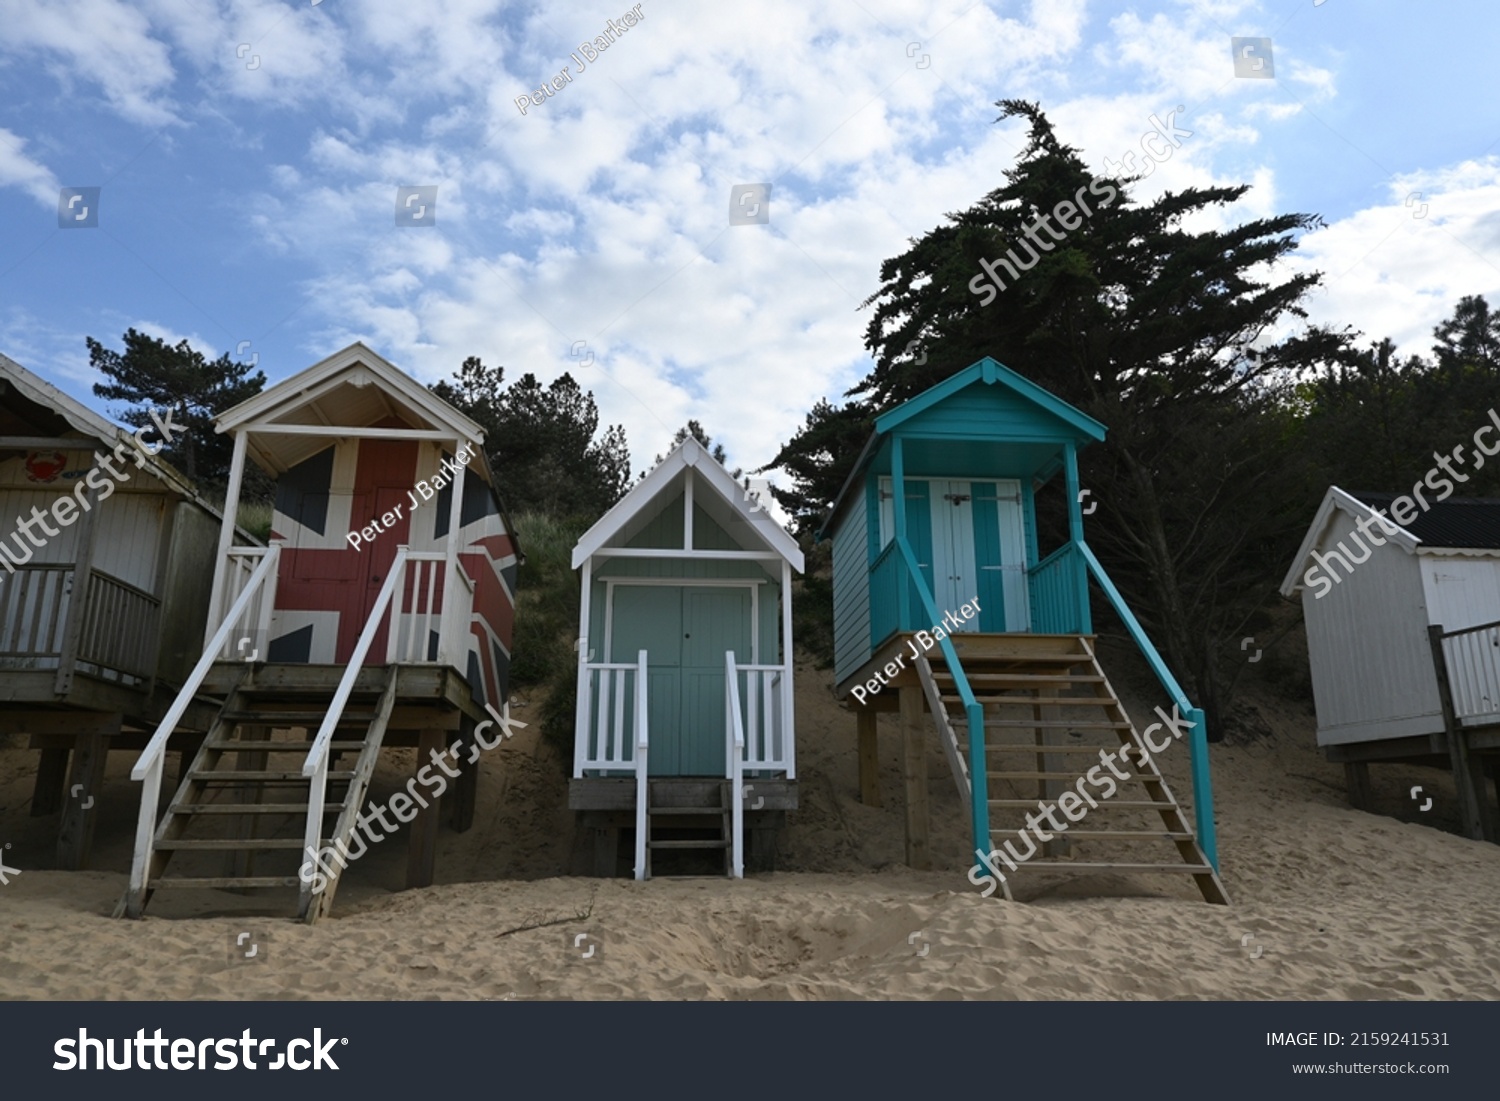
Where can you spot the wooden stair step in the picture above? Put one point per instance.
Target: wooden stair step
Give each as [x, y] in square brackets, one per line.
[1057, 657]
[293, 718]
[283, 747]
[268, 776]
[224, 882]
[1090, 866]
[1108, 835]
[1048, 701]
[230, 844]
[1010, 748]
[704, 844]
[1148, 777]
[1017, 724]
[702, 812]
[1104, 804]
[248, 808]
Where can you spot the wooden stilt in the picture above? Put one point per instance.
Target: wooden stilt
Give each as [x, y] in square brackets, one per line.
[51, 774]
[606, 850]
[75, 836]
[421, 851]
[869, 758]
[1357, 779]
[465, 790]
[914, 770]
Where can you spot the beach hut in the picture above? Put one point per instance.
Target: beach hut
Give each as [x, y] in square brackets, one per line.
[104, 558]
[379, 616]
[1401, 598]
[946, 611]
[684, 736]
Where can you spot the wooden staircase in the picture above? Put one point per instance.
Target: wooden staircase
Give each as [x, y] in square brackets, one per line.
[1049, 710]
[701, 808]
[243, 802]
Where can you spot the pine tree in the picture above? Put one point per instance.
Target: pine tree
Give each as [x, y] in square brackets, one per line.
[152, 375]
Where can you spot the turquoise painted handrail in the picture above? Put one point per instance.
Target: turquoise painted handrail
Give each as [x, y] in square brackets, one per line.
[979, 802]
[1203, 798]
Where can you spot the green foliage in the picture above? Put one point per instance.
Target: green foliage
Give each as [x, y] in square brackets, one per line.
[547, 605]
[256, 518]
[153, 375]
[541, 441]
[1146, 326]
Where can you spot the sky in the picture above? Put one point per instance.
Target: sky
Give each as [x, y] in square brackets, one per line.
[250, 156]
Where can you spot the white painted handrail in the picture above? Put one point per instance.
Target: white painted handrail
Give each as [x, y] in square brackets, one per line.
[735, 751]
[642, 741]
[319, 751]
[158, 743]
[149, 766]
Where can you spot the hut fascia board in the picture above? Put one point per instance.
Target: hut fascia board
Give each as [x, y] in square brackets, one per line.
[688, 455]
[82, 419]
[1336, 498]
[297, 390]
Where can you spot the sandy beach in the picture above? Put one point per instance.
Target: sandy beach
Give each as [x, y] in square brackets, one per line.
[1328, 902]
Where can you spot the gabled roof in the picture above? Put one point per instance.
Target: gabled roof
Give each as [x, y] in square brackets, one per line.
[1459, 524]
[984, 372]
[988, 372]
[685, 459]
[94, 430]
[352, 388]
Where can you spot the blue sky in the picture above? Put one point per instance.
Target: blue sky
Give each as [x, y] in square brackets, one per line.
[249, 154]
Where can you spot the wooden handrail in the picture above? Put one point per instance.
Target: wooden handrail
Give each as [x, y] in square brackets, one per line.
[1203, 796]
[642, 782]
[734, 766]
[158, 743]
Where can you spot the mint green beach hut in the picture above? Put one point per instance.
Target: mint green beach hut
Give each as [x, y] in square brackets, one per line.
[684, 738]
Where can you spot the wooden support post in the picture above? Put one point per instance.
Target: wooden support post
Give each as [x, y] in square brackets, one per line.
[1357, 779]
[869, 758]
[75, 836]
[421, 843]
[606, 850]
[465, 788]
[51, 774]
[914, 771]
[1468, 772]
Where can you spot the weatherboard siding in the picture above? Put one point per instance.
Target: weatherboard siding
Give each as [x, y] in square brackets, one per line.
[851, 591]
[1367, 644]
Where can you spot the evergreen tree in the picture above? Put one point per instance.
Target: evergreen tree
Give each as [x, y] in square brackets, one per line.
[152, 375]
[541, 440]
[1155, 330]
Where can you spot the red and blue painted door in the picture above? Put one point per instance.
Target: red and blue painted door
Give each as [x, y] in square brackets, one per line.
[327, 583]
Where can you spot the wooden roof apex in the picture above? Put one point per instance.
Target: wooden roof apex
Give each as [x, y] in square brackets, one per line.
[685, 459]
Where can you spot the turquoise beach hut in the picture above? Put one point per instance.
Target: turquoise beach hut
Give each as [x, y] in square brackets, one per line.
[947, 611]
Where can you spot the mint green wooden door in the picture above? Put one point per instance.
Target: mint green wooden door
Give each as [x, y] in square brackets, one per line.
[685, 632]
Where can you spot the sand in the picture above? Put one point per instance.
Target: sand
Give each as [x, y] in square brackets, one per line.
[1329, 902]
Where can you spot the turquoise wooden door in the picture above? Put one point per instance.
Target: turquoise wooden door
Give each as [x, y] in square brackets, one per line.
[685, 632]
[714, 621]
[650, 618]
